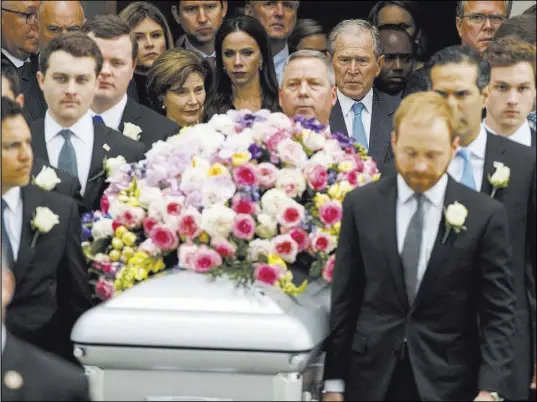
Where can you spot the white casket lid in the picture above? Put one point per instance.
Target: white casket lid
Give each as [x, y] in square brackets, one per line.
[188, 310]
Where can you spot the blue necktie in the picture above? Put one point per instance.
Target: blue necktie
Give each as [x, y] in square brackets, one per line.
[467, 174]
[98, 119]
[67, 159]
[531, 120]
[358, 131]
[7, 250]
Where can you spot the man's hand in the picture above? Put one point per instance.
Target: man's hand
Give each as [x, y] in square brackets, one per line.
[484, 396]
[333, 397]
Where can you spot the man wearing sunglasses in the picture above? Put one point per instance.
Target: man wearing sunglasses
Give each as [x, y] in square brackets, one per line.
[19, 31]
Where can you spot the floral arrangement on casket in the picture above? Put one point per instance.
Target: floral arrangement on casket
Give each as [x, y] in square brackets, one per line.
[241, 195]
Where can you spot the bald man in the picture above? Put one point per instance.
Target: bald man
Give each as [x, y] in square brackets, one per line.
[399, 60]
[19, 33]
[55, 18]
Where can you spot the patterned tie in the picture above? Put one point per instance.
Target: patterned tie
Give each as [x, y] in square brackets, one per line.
[98, 119]
[358, 131]
[67, 159]
[7, 250]
[531, 120]
[467, 174]
[410, 254]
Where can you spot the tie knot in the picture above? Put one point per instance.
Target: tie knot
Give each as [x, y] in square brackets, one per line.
[464, 154]
[358, 108]
[98, 119]
[66, 134]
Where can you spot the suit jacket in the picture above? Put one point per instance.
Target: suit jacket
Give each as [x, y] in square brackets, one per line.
[155, 127]
[533, 139]
[69, 185]
[44, 376]
[458, 330]
[35, 105]
[384, 106]
[107, 143]
[418, 81]
[5, 59]
[51, 278]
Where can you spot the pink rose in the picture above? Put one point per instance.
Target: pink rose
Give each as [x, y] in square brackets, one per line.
[291, 216]
[330, 213]
[328, 269]
[205, 259]
[322, 242]
[104, 204]
[186, 253]
[133, 217]
[174, 208]
[291, 153]
[224, 247]
[149, 224]
[244, 227]
[245, 175]
[267, 273]
[190, 224]
[267, 174]
[352, 178]
[317, 177]
[272, 141]
[300, 237]
[243, 205]
[285, 247]
[104, 289]
[164, 237]
[370, 167]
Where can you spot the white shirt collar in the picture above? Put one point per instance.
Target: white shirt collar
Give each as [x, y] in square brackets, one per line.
[15, 60]
[13, 198]
[478, 146]
[282, 55]
[522, 135]
[347, 103]
[112, 117]
[190, 46]
[80, 128]
[435, 194]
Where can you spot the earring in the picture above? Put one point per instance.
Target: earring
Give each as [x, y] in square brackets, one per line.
[260, 67]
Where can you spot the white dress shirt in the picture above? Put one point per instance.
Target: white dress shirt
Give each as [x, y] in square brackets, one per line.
[347, 103]
[82, 141]
[477, 150]
[433, 205]
[13, 218]
[279, 61]
[522, 135]
[15, 60]
[112, 117]
[190, 46]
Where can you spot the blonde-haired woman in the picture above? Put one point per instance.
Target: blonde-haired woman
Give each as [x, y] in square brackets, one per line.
[180, 80]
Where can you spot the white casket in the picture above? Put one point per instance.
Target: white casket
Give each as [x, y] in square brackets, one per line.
[184, 337]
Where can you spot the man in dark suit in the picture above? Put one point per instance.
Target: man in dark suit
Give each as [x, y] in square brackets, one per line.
[41, 236]
[503, 170]
[19, 31]
[422, 296]
[31, 374]
[111, 104]
[361, 111]
[65, 135]
[511, 91]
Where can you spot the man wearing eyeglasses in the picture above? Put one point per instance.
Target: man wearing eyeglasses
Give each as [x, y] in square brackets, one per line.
[19, 31]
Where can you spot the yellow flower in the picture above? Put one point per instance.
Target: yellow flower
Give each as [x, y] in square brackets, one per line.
[345, 166]
[133, 202]
[336, 228]
[128, 238]
[120, 231]
[140, 274]
[217, 170]
[123, 198]
[339, 190]
[275, 259]
[117, 244]
[240, 158]
[204, 237]
[184, 130]
[127, 252]
[320, 199]
[114, 255]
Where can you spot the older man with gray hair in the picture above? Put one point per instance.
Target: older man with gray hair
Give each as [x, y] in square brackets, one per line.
[307, 85]
[361, 111]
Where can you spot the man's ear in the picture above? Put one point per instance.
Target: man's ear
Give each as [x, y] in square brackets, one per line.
[393, 141]
[224, 8]
[380, 64]
[20, 100]
[334, 95]
[40, 80]
[458, 24]
[175, 13]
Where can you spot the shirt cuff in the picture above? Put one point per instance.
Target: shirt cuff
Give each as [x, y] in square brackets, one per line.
[334, 386]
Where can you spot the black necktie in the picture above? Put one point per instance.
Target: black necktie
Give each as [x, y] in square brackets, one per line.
[7, 250]
[411, 249]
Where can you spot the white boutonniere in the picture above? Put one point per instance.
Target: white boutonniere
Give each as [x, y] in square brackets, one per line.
[132, 131]
[500, 177]
[43, 222]
[455, 215]
[112, 164]
[46, 179]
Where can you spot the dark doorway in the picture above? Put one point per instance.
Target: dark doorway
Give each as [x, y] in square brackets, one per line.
[439, 16]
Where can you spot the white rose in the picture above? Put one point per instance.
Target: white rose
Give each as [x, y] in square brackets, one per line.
[500, 177]
[267, 227]
[222, 123]
[44, 219]
[291, 181]
[321, 158]
[456, 214]
[102, 229]
[291, 152]
[217, 220]
[132, 131]
[111, 165]
[274, 201]
[46, 179]
[117, 208]
[148, 195]
[259, 247]
[312, 140]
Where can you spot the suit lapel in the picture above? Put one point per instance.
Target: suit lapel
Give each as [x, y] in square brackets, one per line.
[96, 173]
[493, 152]
[31, 199]
[533, 134]
[440, 251]
[337, 121]
[386, 216]
[39, 145]
[131, 113]
[380, 129]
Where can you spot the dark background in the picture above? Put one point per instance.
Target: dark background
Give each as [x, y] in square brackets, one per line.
[438, 16]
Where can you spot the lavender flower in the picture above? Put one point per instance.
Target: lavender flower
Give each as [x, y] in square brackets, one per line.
[256, 151]
[343, 140]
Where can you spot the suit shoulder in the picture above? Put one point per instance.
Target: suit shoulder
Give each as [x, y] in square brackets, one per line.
[36, 124]
[162, 121]
[64, 202]
[370, 190]
[391, 102]
[124, 141]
